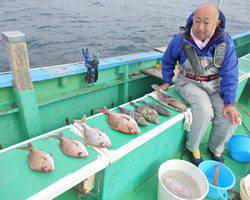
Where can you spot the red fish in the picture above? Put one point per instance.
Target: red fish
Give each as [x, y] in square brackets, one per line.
[121, 122]
[93, 135]
[167, 100]
[71, 147]
[39, 160]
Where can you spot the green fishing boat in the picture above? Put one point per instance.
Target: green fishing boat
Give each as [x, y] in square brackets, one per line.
[41, 101]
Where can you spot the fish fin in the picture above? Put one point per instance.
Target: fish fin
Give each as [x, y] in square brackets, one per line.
[142, 102]
[51, 154]
[59, 136]
[120, 108]
[83, 120]
[133, 104]
[133, 114]
[104, 110]
[78, 121]
[29, 147]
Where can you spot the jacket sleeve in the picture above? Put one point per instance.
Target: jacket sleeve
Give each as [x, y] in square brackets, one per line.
[169, 60]
[229, 74]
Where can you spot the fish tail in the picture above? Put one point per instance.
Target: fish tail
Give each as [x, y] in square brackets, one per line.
[120, 108]
[59, 136]
[104, 110]
[83, 120]
[156, 87]
[142, 102]
[133, 104]
[29, 147]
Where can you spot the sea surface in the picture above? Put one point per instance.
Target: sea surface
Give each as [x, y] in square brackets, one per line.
[57, 30]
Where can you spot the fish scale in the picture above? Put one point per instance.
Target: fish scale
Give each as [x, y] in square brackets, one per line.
[159, 109]
[71, 147]
[93, 135]
[121, 122]
[167, 100]
[148, 113]
[39, 160]
[137, 116]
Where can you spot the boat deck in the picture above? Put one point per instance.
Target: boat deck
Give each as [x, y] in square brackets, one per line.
[130, 165]
[148, 189]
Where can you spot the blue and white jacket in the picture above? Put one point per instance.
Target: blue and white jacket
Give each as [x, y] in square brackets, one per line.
[228, 70]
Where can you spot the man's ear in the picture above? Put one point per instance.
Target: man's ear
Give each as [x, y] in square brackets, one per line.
[218, 22]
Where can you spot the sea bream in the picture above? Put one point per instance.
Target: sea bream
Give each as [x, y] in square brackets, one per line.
[167, 100]
[137, 116]
[121, 122]
[148, 113]
[71, 147]
[159, 109]
[92, 135]
[39, 160]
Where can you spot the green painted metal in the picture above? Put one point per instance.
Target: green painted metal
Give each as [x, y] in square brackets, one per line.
[15, 171]
[134, 169]
[71, 97]
[242, 44]
[148, 190]
[28, 113]
[133, 176]
[124, 87]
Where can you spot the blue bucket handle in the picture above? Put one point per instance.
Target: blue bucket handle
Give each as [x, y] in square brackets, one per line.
[223, 194]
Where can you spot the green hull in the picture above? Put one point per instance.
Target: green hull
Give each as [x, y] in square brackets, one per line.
[63, 95]
[59, 96]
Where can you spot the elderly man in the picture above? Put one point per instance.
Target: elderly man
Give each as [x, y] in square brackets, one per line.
[207, 80]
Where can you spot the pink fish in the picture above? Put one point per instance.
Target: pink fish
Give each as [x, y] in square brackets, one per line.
[167, 100]
[93, 135]
[71, 147]
[39, 160]
[121, 122]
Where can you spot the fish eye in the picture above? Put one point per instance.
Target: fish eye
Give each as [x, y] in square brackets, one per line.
[79, 153]
[44, 167]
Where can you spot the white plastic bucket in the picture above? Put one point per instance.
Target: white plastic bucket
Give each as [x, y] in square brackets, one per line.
[245, 188]
[189, 169]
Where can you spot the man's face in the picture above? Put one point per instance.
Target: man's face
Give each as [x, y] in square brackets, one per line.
[204, 22]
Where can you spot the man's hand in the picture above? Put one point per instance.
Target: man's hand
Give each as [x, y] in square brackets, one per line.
[233, 113]
[165, 86]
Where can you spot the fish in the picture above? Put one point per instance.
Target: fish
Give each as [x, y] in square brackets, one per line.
[137, 116]
[148, 113]
[71, 147]
[39, 160]
[92, 135]
[121, 122]
[159, 109]
[167, 100]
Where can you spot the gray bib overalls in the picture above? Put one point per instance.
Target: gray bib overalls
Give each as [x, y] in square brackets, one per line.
[206, 105]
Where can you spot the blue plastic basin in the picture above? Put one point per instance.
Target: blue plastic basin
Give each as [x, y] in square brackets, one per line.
[226, 179]
[239, 147]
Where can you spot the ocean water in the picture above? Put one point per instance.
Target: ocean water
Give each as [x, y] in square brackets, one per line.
[57, 30]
